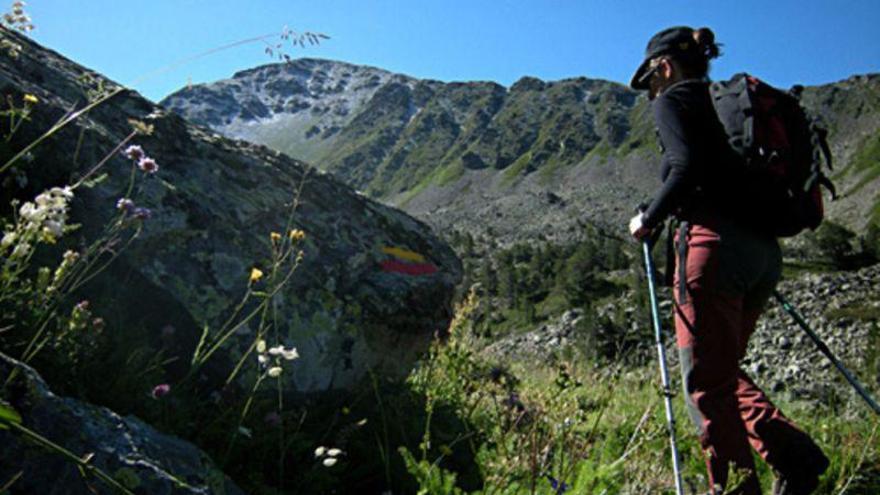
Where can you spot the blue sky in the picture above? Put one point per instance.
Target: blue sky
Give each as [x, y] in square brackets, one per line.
[784, 42]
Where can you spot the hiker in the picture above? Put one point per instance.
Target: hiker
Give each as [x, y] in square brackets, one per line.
[725, 271]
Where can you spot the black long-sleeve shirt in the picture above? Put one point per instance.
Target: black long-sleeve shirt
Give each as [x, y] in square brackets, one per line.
[699, 168]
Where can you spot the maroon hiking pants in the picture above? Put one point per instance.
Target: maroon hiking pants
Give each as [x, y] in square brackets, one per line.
[730, 275]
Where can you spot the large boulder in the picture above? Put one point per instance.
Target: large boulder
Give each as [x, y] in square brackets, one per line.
[137, 456]
[374, 284]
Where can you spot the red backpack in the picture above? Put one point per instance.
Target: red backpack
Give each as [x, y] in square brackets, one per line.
[782, 151]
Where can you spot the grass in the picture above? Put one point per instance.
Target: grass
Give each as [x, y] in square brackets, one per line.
[863, 312]
[865, 162]
[516, 169]
[602, 151]
[792, 269]
[598, 429]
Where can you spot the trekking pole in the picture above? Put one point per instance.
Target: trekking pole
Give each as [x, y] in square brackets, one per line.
[664, 372]
[825, 350]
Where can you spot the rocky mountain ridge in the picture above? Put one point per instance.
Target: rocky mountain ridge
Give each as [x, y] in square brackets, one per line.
[417, 143]
[534, 159]
[308, 95]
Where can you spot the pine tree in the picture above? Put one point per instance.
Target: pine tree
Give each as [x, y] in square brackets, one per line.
[489, 278]
[506, 281]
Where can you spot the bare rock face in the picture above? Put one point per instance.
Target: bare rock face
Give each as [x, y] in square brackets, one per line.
[137, 456]
[354, 304]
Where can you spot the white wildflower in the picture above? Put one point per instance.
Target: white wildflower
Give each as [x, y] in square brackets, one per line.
[54, 228]
[65, 191]
[21, 250]
[47, 215]
[8, 239]
[70, 256]
[334, 452]
[261, 346]
[44, 199]
[287, 354]
[29, 212]
[330, 461]
[320, 451]
[275, 371]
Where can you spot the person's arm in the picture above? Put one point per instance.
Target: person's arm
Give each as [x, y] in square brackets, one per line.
[677, 136]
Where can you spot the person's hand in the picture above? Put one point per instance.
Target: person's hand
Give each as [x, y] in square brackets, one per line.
[637, 229]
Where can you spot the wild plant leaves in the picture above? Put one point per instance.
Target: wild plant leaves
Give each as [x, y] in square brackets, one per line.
[8, 416]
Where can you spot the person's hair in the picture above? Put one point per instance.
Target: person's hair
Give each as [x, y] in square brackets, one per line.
[696, 64]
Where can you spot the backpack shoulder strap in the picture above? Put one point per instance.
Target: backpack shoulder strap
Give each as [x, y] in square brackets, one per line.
[734, 107]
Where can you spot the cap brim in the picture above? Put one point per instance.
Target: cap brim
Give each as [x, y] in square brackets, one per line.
[637, 82]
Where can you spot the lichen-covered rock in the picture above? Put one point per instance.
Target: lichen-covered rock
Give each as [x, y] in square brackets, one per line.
[354, 304]
[137, 456]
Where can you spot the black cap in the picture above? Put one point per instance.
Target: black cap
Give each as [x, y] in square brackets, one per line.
[672, 41]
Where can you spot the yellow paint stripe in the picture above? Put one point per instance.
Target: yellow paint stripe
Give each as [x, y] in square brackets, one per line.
[403, 254]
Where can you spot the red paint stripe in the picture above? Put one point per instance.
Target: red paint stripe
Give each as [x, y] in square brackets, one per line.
[395, 266]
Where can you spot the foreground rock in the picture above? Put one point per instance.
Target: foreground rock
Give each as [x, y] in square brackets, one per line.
[140, 458]
[353, 304]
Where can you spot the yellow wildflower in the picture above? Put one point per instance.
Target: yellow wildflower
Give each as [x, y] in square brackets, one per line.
[297, 235]
[141, 127]
[256, 274]
[29, 98]
[275, 236]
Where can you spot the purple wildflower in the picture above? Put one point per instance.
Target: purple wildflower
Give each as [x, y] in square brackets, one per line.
[512, 401]
[134, 152]
[125, 205]
[559, 487]
[273, 419]
[148, 165]
[142, 213]
[161, 390]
